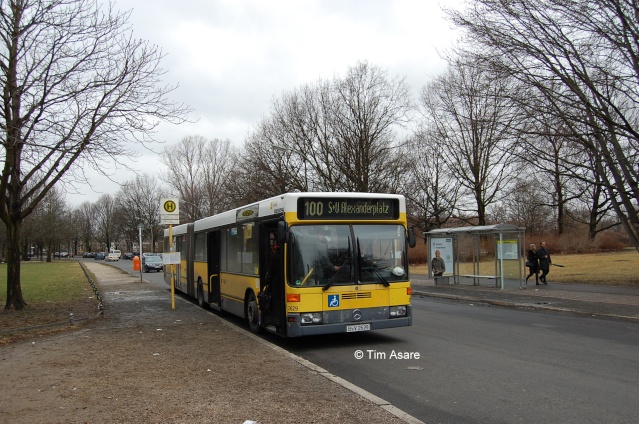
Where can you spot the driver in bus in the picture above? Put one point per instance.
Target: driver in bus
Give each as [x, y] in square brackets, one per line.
[312, 261]
[325, 266]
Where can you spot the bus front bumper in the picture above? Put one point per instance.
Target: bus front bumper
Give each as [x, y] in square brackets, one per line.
[296, 329]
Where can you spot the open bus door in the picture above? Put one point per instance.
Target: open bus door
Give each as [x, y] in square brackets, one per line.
[213, 260]
[272, 262]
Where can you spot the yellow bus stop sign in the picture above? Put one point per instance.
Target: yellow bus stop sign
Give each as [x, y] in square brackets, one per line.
[169, 211]
[169, 206]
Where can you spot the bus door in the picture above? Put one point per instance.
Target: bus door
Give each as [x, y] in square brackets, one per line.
[272, 262]
[213, 260]
[191, 286]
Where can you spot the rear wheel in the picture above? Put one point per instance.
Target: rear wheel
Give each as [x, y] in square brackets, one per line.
[252, 314]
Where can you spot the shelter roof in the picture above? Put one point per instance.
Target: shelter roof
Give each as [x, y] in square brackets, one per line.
[478, 229]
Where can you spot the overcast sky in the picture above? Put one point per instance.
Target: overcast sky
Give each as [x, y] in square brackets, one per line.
[231, 58]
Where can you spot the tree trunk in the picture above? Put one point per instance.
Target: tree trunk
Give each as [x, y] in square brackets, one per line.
[594, 213]
[14, 289]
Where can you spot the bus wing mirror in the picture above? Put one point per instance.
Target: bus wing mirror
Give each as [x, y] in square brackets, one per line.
[411, 237]
[282, 232]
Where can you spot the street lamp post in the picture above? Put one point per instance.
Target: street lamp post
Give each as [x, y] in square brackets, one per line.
[140, 226]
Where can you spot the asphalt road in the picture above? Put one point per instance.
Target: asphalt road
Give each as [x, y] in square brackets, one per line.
[471, 363]
[482, 364]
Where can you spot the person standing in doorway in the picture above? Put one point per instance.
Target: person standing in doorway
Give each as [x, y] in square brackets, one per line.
[438, 266]
[532, 262]
[543, 254]
[275, 286]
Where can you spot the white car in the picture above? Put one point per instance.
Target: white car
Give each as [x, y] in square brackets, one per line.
[113, 256]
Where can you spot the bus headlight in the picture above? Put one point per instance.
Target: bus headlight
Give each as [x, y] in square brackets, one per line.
[397, 311]
[311, 318]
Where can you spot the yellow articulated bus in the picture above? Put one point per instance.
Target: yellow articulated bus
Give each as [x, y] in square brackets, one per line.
[301, 263]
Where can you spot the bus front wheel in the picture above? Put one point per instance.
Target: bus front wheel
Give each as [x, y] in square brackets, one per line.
[252, 314]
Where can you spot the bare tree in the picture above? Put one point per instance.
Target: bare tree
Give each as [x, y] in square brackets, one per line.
[592, 205]
[265, 171]
[430, 187]
[336, 135]
[219, 159]
[139, 202]
[557, 165]
[76, 86]
[199, 171]
[526, 206]
[51, 221]
[105, 220]
[589, 50]
[367, 106]
[85, 215]
[184, 174]
[469, 110]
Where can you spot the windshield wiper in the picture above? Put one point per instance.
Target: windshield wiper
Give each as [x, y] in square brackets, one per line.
[332, 280]
[381, 277]
[348, 258]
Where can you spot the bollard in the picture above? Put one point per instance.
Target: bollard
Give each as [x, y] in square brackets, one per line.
[136, 263]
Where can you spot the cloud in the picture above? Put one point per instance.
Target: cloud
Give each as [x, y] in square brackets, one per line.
[231, 58]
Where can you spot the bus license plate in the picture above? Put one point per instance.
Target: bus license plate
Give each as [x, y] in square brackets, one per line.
[358, 327]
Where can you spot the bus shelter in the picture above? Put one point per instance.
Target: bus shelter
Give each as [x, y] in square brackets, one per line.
[468, 248]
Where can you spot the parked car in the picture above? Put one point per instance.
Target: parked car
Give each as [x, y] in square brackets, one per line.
[88, 255]
[152, 263]
[112, 256]
[64, 254]
[99, 256]
[128, 255]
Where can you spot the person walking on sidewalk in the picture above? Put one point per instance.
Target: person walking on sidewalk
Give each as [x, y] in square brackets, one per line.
[544, 262]
[532, 262]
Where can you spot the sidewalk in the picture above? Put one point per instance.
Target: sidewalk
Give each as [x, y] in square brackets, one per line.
[582, 299]
[140, 361]
[247, 379]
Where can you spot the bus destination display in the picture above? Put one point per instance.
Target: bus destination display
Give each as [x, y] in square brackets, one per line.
[341, 208]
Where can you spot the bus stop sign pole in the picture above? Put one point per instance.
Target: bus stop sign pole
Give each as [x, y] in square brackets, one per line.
[172, 267]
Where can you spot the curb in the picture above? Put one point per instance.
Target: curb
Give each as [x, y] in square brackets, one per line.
[508, 304]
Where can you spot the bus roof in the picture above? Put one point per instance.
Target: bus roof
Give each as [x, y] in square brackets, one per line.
[278, 205]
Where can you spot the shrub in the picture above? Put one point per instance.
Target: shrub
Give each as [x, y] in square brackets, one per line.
[612, 240]
[418, 254]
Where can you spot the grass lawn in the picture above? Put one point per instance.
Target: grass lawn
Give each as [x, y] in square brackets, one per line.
[611, 268]
[52, 291]
[57, 281]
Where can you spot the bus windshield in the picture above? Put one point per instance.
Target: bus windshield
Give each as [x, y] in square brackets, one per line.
[326, 255]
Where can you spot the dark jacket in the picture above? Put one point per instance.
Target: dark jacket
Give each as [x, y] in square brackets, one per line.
[532, 258]
[543, 254]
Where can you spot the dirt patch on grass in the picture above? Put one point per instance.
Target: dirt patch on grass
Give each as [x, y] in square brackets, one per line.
[47, 318]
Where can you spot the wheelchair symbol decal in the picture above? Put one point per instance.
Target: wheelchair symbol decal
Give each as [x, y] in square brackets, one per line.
[333, 300]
